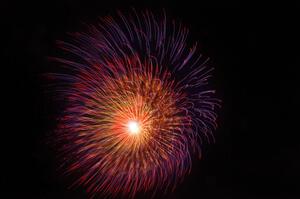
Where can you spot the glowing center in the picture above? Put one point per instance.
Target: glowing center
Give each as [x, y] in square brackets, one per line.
[133, 127]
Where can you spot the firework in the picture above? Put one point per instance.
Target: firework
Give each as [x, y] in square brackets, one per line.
[137, 104]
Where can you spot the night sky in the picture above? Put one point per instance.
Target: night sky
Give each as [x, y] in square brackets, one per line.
[254, 50]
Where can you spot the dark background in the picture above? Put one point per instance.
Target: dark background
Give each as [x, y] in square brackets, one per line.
[255, 52]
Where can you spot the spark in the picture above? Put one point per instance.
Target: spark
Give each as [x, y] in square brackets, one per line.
[133, 127]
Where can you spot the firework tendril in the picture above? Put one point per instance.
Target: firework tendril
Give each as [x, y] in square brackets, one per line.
[137, 104]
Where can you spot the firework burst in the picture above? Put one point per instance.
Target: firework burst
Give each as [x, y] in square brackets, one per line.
[137, 104]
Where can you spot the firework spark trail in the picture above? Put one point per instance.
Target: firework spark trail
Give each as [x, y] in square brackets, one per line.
[137, 104]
